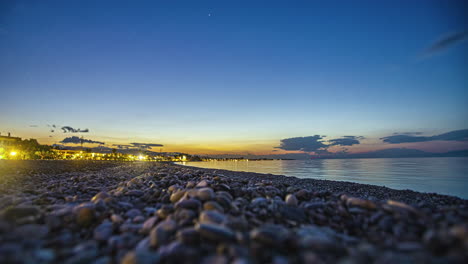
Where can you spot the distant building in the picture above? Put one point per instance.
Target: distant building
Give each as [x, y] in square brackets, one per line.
[9, 140]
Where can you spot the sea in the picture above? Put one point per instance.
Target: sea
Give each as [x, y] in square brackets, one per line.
[434, 175]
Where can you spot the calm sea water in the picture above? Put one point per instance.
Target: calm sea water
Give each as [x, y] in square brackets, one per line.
[440, 175]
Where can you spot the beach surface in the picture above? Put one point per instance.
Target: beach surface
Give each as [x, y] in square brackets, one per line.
[146, 212]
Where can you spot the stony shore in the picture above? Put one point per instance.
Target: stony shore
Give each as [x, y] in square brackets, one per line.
[145, 212]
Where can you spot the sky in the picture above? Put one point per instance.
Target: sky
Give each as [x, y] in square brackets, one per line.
[213, 77]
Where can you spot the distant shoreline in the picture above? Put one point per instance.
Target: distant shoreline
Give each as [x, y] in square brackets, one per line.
[324, 158]
[380, 192]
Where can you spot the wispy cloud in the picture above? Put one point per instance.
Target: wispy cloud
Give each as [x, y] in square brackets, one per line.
[457, 135]
[408, 133]
[445, 42]
[68, 129]
[145, 145]
[345, 141]
[78, 140]
[122, 146]
[135, 145]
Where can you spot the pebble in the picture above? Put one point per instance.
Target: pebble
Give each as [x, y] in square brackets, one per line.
[202, 184]
[162, 233]
[192, 204]
[291, 200]
[211, 205]
[85, 215]
[215, 259]
[32, 231]
[402, 206]
[148, 224]
[184, 216]
[140, 257]
[12, 213]
[177, 195]
[316, 238]
[215, 232]
[188, 236]
[103, 231]
[211, 217]
[205, 194]
[100, 196]
[270, 235]
[366, 204]
[117, 218]
[132, 213]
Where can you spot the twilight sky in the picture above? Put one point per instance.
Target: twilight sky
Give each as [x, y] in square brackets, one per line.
[235, 76]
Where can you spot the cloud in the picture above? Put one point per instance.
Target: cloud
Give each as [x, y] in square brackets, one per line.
[306, 144]
[316, 143]
[77, 140]
[346, 141]
[67, 129]
[407, 133]
[135, 145]
[145, 145]
[354, 137]
[446, 42]
[123, 146]
[457, 135]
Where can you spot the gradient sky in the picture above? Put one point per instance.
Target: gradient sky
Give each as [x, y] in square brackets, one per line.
[233, 76]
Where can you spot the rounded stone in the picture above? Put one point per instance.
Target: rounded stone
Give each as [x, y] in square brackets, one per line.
[211, 205]
[12, 213]
[115, 218]
[176, 196]
[270, 235]
[103, 231]
[132, 213]
[215, 232]
[162, 233]
[148, 225]
[205, 194]
[164, 211]
[140, 257]
[188, 236]
[100, 196]
[211, 217]
[291, 200]
[202, 184]
[367, 204]
[184, 216]
[85, 216]
[192, 204]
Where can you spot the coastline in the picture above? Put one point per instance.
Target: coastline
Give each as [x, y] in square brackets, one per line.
[147, 212]
[345, 187]
[445, 176]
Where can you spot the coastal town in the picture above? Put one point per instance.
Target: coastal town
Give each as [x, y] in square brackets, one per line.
[16, 148]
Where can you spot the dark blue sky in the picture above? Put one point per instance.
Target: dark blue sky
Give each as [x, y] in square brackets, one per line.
[221, 73]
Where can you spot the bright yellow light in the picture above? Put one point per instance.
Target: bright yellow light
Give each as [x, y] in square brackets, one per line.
[141, 157]
[13, 153]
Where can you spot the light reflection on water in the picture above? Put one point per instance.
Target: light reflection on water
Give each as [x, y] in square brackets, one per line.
[440, 175]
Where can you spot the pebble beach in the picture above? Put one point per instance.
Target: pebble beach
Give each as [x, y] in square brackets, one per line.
[147, 212]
